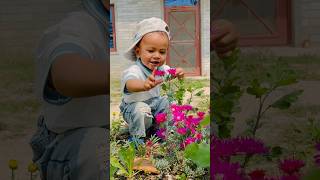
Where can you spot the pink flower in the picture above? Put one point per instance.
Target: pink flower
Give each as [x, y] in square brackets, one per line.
[161, 117]
[182, 131]
[226, 170]
[189, 140]
[159, 73]
[291, 166]
[201, 114]
[187, 107]
[178, 116]
[198, 136]
[257, 174]
[290, 177]
[175, 108]
[161, 133]
[318, 146]
[172, 71]
[149, 143]
[236, 146]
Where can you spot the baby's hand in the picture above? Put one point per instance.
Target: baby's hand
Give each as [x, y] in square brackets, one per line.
[151, 82]
[179, 72]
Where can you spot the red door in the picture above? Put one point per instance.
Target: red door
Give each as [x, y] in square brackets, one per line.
[259, 22]
[184, 50]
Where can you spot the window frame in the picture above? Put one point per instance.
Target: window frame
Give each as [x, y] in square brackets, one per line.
[112, 13]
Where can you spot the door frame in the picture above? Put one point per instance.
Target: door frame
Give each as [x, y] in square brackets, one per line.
[196, 10]
[282, 33]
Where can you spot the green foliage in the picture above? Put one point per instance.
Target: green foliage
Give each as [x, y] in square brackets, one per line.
[313, 127]
[314, 174]
[286, 101]
[226, 94]
[205, 122]
[123, 164]
[199, 154]
[176, 89]
[256, 89]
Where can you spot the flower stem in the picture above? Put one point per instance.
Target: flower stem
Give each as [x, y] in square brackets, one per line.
[12, 174]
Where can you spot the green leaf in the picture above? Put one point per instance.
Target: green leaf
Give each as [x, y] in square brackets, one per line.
[199, 93]
[127, 155]
[287, 81]
[285, 101]
[164, 87]
[230, 89]
[113, 170]
[276, 152]
[199, 154]
[256, 89]
[205, 122]
[312, 175]
[116, 164]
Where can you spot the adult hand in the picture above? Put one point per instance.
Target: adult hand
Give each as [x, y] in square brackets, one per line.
[224, 37]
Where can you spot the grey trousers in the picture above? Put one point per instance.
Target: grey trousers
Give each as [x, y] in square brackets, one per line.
[140, 115]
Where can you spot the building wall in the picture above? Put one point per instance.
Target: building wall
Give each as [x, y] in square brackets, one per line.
[205, 37]
[129, 12]
[306, 22]
[23, 22]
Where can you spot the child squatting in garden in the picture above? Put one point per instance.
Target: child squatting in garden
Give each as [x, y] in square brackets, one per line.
[141, 99]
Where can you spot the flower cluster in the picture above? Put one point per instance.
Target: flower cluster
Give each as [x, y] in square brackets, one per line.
[291, 166]
[171, 72]
[161, 118]
[237, 146]
[317, 155]
[186, 125]
[223, 149]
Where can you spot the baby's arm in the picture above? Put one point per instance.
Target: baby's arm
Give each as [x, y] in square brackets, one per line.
[137, 85]
[75, 76]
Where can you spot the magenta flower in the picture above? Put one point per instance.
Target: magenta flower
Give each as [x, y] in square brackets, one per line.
[237, 146]
[257, 174]
[291, 166]
[226, 170]
[316, 157]
[161, 117]
[318, 146]
[178, 116]
[161, 133]
[290, 177]
[172, 71]
[187, 107]
[174, 108]
[201, 114]
[198, 136]
[159, 73]
[182, 131]
[189, 140]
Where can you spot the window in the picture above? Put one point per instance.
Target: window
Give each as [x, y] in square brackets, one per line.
[170, 3]
[112, 34]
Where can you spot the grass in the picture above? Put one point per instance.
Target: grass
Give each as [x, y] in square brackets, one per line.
[19, 106]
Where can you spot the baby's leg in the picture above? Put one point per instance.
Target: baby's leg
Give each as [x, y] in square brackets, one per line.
[159, 105]
[138, 116]
[81, 154]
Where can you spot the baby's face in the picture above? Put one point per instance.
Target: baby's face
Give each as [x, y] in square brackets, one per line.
[153, 49]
